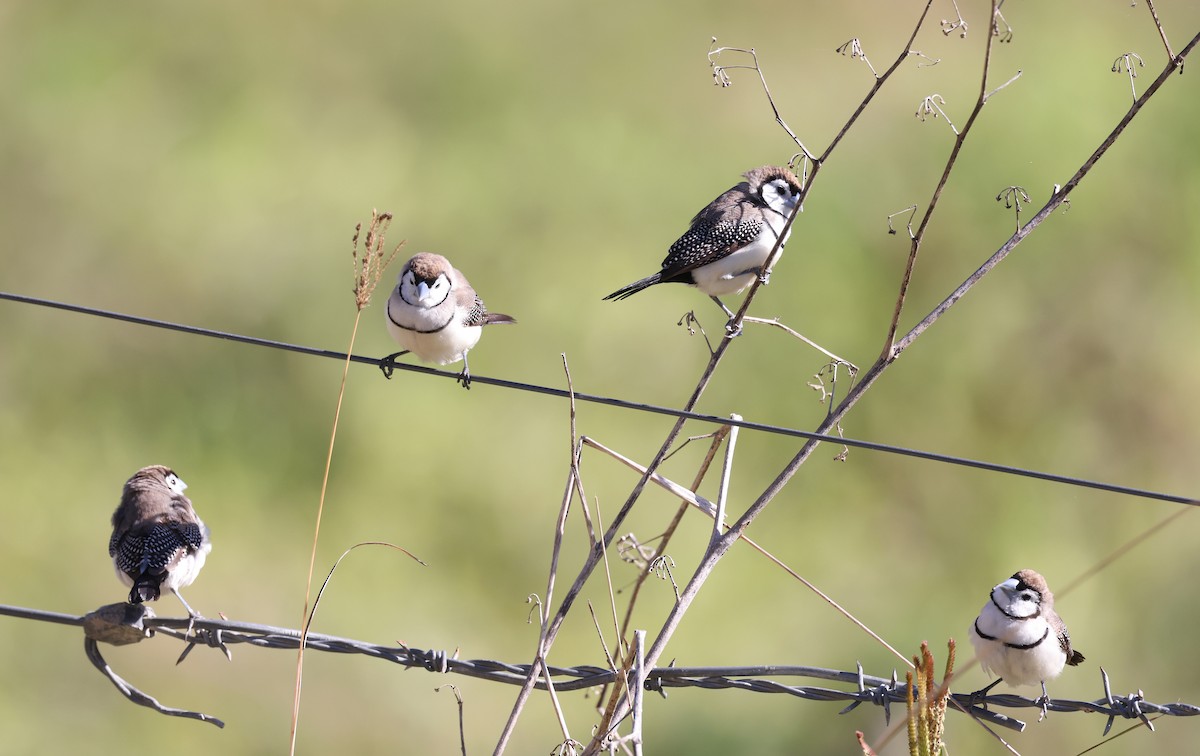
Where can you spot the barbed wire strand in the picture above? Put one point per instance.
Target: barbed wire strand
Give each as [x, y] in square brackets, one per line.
[879, 691]
[613, 402]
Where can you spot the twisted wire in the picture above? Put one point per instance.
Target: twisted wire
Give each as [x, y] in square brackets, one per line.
[869, 689]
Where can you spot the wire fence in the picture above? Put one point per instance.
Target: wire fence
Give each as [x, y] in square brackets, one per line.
[121, 624]
[610, 401]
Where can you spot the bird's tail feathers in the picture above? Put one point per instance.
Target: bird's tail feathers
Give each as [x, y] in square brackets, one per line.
[145, 588]
[494, 318]
[635, 287]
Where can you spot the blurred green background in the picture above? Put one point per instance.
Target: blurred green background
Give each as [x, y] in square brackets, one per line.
[206, 163]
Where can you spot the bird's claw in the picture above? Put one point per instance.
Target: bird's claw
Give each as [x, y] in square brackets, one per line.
[1044, 702]
[464, 380]
[979, 697]
[388, 364]
[733, 330]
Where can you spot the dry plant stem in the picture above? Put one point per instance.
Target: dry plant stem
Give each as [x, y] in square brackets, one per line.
[597, 552]
[1053, 204]
[796, 334]
[718, 437]
[639, 686]
[312, 561]
[709, 509]
[959, 138]
[726, 474]
[715, 360]
[714, 554]
[368, 270]
[1161, 32]
[740, 316]
[1121, 551]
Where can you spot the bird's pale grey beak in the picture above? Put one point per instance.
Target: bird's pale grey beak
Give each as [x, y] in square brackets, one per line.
[422, 290]
[1009, 586]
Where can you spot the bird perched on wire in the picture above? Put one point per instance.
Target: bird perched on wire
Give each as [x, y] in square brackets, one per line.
[1020, 637]
[158, 541]
[729, 241]
[434, 313]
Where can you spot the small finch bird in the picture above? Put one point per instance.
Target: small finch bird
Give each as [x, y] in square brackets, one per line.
[157, 540]
[1020, 637]
[434, 313]
[729, 241]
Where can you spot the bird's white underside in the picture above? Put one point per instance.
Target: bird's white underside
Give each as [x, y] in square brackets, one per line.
[442, 347]
[736, 271]
[1017, 666]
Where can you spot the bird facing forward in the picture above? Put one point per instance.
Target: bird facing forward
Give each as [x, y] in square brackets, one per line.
[1020, 637]
[729, 241]
[157, 540]
[434, 313]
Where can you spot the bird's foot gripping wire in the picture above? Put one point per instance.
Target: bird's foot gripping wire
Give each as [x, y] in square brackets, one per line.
[388, 364]
[979, 697]
[1044, 702]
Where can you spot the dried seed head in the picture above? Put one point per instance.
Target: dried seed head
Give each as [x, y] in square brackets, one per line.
[374, 260]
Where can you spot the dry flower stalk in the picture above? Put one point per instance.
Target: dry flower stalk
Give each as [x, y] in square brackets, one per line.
[369, 269]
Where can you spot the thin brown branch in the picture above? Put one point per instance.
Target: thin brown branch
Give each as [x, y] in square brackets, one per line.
[559, 530]
[718, 550]
[918, 237]
[1161, 31]
[649, 569]
[880, 81]
[723, 79]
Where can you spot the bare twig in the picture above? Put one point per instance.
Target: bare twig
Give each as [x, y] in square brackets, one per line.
[853, 48]
[797, 335]
[709, 509]
[932, 106]
[462, 733]
[726, 474]
[1014, 197]
[918, 237]
[1161, 31]
[892, 351]
[719, 75]
[638, 684]
[958, 25]
[911, 212]
[1125, 63]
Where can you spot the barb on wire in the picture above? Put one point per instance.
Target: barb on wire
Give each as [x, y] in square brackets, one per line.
[606, 400]
[879, 691]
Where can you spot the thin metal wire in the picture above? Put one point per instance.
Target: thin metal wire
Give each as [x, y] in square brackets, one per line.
[613, 402]
[880, 691]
